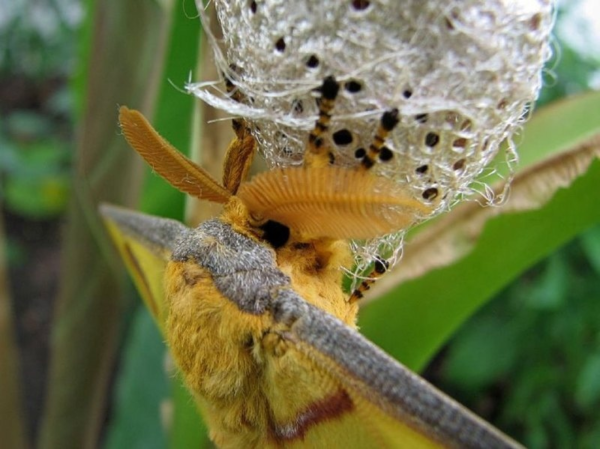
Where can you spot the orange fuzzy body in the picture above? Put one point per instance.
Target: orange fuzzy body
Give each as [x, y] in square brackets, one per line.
[248, 384]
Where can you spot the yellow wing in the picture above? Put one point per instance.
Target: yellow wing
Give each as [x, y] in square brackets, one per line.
[145, 243]
[374, 401]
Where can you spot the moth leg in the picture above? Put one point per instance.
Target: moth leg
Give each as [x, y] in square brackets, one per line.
[377, 149]
[240, 128]
[274, 343]
[379, 270]
[240, 153]
[317, 154]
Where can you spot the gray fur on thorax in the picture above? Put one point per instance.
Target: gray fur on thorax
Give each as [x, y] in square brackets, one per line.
[242, 269]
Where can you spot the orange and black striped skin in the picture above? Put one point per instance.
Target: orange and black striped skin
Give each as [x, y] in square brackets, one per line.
[389, 120]
[379, 270]
[317, 153]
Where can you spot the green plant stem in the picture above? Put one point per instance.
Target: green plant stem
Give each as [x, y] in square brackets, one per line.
[125, 60]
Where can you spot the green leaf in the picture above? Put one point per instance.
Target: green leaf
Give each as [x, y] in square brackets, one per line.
[412, 322]
[591, 247]
[561, 125]
[188, 428]
[587, 392]
[142, 389]
[481, 354]
[549, 293]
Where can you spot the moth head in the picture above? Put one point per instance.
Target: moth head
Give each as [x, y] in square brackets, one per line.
[332, 202]
[318, 201]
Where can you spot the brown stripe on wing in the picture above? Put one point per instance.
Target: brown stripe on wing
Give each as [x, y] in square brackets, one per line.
[326, 409]
[145, 285]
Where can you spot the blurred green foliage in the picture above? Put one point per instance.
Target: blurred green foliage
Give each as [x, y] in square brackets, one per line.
[37, 37]
[533, 353]
[36, 58]
[529, 360]
[34, 165]
[569, 71]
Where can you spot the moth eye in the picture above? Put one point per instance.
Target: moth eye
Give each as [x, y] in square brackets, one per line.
[342, 137]
[253, 7]
[430, 194]
[275, 233]
[407, 93]
[360, 153]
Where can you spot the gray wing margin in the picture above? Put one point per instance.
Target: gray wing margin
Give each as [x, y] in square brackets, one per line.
[405, 394]
[162, 235]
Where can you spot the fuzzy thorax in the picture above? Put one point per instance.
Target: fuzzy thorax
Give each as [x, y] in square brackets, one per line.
[230, 349]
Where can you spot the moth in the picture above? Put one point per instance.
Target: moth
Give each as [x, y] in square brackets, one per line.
[251, 304]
